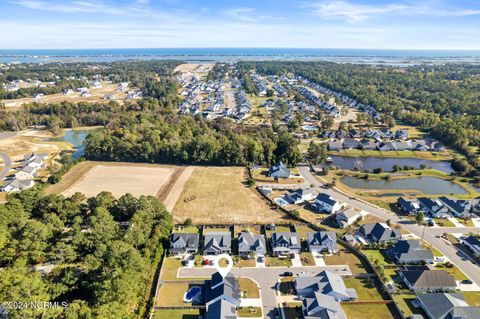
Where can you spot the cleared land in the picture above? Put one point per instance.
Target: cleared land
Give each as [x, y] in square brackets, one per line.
[217, 195]
[97, 95]
[91, 178]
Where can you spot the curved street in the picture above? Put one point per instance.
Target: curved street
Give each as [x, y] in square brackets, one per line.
[431, 235]
[7, 164]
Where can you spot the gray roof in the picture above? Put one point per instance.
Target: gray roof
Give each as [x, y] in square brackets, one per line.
[425, 279]
[248, 242]
[324, 307]
[181, 241]
[326, 282]
[410, 250]
[320, 238]
[327, 199]
[221, 309]
[380, 232]
[448, 306]
[218, 240]
[285, 239]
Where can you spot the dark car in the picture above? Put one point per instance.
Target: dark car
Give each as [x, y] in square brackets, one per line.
[467, 281]
[287, 274]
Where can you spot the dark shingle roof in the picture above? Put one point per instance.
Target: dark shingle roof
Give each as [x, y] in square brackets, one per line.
[448, 306]
[424, 279]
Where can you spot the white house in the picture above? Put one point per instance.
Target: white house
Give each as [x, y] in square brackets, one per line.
[347, 217]
[325, 203]
[27, 172]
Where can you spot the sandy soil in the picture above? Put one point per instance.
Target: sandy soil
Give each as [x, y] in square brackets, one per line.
[121, 179]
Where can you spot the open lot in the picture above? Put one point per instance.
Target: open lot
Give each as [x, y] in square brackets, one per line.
[91, 178]
[218, 195]
[97, 95]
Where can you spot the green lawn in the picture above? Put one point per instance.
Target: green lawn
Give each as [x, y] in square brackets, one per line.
[344, 257]
[277, 262]
[176, 314]
[443, 222]
[186, 229]
[365, 288]
[376, 256]
[366, 311]
[454, 271]
[171, 294]
[249, 312]
[404, 302]
[170, 268]
[249, 288]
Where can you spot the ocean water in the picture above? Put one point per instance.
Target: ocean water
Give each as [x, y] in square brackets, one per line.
[236, 54]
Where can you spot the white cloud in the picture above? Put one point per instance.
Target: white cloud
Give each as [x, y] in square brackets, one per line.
[246, 15]
[353, 12]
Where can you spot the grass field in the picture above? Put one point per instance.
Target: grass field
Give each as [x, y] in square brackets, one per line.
[176, 314]
[345, 257]
[91, 178]
[171, 294]
[362, 311]
[365, 288]
[277, 262]
[217, 195]
[249, 312]
[404, 302]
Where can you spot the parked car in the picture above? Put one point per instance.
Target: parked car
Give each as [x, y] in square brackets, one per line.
[287, 274]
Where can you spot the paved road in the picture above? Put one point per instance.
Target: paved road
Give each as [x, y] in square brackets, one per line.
[266, 278]
[431, 235]
[8, 165]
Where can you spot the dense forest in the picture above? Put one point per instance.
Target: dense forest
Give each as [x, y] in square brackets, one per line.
[171, 138]
[443, 100]
[104, 252]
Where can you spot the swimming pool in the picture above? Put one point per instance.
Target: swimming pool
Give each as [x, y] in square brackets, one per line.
[192, 294]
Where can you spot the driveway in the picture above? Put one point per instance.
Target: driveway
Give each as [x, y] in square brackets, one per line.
[455, 222]
[431, 235]
[8, 165]
[266, 278]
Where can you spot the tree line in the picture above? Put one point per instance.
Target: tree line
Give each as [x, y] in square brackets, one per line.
[103, 252]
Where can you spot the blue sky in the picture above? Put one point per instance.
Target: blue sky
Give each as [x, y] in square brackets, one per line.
[395, 24]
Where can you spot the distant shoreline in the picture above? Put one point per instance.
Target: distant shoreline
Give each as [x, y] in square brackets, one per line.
[365, 56]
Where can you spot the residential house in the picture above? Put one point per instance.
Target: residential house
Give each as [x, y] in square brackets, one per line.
[184, 243]
[321, 241]
[327, 283]
[401, 135]
[301, 195]
[447, 306]
[27, 172]
[428, 280]
[435, 208]
[323, 307]
[335, 145]
[349, 143]
[459, 208]
[217, 243]
[222, 297]
[279, 170]
[410, 252]
[17, 185]
[251, 244]
[409, 207]
[326, 203]
[285, 243]
[368, 145]
[347, 217]
[473, 243]
[379, 232]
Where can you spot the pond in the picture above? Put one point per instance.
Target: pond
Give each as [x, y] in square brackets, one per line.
[76, 138]
[386, 163]
[426, 185]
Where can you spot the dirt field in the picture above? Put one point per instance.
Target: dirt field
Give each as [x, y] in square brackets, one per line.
[216, 195]
[91, 178]
[199, 70]
[18, 144]
[97, 95]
